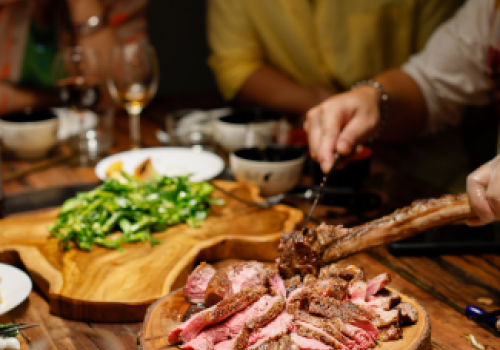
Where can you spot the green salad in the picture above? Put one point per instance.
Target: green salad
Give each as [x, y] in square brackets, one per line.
[132, 207]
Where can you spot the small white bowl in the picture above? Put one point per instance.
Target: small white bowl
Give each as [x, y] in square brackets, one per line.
[29, 140]
[272, 177]
[232, 131]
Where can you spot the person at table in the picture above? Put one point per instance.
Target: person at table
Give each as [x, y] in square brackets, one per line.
[459, 66]
[291, 55]
[31, 32]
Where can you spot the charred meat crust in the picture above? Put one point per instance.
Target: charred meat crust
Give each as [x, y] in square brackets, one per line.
[307, 332]
[268, 316]
[235, 303]
[304, 253]
[344, 310]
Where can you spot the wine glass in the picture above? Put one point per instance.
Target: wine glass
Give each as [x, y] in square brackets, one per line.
[133, 81]
[78, 78]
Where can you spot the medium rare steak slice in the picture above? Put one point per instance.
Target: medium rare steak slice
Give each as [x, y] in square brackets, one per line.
[272, 310]
[225, 345]
[197, 283]
[276, 283]
[309, 331]
[333, 287]
[377, 283]
[231, 327]
[283, 343]
[276, 306]
[273, 330]
[407, 313]
[344, 310]
[229, 306]
[233, 278]
[307, 343]
[357, 291]
[384, 300]
[294, 301]
[328, 326]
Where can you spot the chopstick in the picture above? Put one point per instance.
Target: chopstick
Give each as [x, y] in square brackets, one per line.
[12, 325]
[43, 165]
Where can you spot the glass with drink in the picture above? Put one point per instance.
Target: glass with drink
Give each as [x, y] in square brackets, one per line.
[78, 78]
[133, 81]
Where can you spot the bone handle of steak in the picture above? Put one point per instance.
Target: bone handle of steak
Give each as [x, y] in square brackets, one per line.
[419, 217]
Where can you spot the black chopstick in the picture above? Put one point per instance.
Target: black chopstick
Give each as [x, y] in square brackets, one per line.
[12, 325]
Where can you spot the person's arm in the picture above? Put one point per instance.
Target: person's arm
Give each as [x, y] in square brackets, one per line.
[270, 88]
[13, 99]
[427, 94]
[125, 22]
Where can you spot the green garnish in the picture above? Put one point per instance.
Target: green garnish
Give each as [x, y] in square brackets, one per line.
[134, 207]
[9, 334]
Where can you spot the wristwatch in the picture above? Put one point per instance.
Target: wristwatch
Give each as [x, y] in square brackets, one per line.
[92, 24]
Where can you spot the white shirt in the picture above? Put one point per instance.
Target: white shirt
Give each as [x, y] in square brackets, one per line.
[452, 70]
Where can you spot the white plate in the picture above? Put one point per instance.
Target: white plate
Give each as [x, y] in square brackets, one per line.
[168, 161]
[15, 286]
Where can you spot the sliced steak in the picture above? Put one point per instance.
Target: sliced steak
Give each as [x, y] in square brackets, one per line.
[345, 271]
[233, 278]
[357, 291]
[393, 332]
[377, 283]
[276, 283]
[273, 330]
[368, 327]
[363, 340]
[231, 327]
[308, 344]
[293, 283]
[225, 345]
[334, 329]
[283, 343]
[218, 288]
[344, 310]
[384, 300]
[294, 301]
[229, 306]
[309, 331]
[276, 306]
[197, 283]
[407, 313]
[333, 287]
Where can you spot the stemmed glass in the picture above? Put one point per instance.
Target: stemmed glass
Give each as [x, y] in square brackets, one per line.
[78, 78]
[133, 81]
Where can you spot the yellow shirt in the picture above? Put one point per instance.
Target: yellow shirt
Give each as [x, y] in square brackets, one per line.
[329, 42]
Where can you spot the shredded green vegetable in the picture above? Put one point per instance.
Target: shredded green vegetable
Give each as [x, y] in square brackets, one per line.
[133, 207]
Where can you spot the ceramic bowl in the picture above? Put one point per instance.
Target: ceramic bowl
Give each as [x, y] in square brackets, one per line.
[232, 131]
[31, 134]
[273, 169]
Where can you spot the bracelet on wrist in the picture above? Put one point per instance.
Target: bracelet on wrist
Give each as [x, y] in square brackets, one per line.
[384, 98]
[91, 25]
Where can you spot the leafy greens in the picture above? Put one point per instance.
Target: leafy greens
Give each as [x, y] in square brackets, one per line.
[134, 207]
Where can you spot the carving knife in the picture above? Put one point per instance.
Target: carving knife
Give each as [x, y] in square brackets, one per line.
[337, 158]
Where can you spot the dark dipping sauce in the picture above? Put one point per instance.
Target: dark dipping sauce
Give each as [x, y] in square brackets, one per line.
[29, 116]
[250, 116]
[270, 154]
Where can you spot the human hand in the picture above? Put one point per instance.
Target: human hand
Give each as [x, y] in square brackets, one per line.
[341, 122]
[483, 189]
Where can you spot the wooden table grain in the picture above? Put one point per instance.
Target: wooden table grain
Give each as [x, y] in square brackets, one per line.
[444, 285]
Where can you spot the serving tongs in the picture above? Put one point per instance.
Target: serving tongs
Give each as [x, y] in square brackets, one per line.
[15, 327]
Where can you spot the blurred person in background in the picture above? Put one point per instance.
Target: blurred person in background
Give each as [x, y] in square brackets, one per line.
[289, 55]
[32, 32]
[459, 66]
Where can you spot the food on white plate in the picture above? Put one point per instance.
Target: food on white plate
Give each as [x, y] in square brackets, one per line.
[249, 306]
[10, 343]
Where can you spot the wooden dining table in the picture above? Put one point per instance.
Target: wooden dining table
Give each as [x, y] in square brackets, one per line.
[443, 284]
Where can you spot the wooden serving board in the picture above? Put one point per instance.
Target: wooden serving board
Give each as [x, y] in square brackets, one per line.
[167, 313]
[111, 286]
